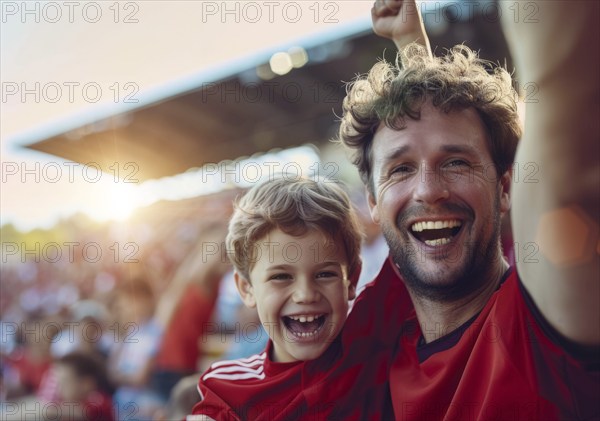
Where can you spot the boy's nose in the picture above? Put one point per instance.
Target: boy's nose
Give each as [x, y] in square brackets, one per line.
[305, 292]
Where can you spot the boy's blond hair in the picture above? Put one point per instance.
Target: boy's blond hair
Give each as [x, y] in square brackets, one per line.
[295, 206]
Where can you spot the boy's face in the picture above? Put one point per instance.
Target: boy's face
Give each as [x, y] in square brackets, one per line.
[300, 288]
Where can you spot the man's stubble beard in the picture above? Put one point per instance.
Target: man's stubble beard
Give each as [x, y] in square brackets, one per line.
[477, 262]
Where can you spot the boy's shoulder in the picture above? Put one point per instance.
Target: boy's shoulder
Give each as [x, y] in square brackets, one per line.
[235, 370]
[256, 369]
[250, 388]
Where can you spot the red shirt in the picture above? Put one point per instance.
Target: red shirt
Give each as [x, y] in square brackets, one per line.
[348, 382]
[179, 350]
[98, 407]
[506, 363]
[31, 370]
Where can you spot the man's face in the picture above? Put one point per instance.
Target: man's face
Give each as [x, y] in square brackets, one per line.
[439, 201]
[300, 288]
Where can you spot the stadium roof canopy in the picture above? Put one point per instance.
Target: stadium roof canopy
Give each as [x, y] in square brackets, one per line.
[239, 107]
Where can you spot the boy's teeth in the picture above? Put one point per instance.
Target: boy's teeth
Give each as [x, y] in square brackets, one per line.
[305, 325]
[306, 334]
[437, 242]
[431, 225]
[304, 319]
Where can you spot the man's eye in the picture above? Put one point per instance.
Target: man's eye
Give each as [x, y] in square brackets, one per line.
[400, 170]
[458, 163]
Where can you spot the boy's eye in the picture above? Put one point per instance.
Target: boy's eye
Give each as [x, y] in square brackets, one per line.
[326, 275]
[280, 277]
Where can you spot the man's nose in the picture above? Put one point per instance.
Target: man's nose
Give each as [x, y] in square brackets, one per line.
[430, 186]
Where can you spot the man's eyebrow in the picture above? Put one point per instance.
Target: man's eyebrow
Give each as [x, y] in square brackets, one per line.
[466, 149]
[395, 153]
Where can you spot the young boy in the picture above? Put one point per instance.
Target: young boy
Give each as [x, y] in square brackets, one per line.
[295, 247]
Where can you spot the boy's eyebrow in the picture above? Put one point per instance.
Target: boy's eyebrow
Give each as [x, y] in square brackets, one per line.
[329, 263]
[289, 266]
[278, 267]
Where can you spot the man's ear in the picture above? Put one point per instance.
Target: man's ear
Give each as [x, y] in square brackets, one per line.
[245, 289]
[373, 206]
[505, 189]
[354, 280]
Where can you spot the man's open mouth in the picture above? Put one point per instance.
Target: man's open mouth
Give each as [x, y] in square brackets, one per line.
[436, 233]
[305, 326]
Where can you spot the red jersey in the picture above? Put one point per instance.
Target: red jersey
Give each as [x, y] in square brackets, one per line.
[506, 363]
[179, 350]
[348, 382]
[98, 407]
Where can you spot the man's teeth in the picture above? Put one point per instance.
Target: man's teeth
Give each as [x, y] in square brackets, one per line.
[304, 319]
[437, 242]
[435, 225]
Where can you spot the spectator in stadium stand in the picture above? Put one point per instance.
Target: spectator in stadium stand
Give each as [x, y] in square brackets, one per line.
[84, 391]
[132, 355]
[434, 141]
[88, 332]
[31, 360]
[186, 309]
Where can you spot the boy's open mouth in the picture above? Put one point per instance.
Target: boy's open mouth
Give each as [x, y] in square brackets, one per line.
[304, 326]
[436, 233]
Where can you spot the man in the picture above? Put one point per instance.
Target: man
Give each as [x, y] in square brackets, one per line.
[434, 140]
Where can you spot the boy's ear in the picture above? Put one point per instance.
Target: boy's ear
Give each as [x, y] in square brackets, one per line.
[354, 280]
[505, 191]
[244, 287]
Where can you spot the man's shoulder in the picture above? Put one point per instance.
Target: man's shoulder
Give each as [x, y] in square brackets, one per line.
[510, 297]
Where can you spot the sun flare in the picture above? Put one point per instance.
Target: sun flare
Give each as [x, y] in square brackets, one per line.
[117, 204]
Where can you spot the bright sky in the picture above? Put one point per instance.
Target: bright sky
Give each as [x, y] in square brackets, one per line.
[51, 51]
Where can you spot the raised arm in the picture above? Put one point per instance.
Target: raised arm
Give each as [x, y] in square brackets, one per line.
[555, 209]
[400, 21]
[202, 268]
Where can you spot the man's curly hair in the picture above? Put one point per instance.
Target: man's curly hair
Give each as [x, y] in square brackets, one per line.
[392, 92]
